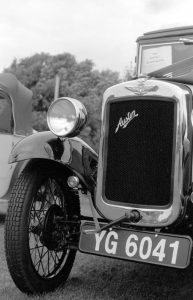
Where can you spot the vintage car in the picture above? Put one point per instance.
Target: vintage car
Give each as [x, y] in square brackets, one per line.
[140, 184]
[15, 124]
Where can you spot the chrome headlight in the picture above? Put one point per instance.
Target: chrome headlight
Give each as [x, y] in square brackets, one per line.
[66, 117]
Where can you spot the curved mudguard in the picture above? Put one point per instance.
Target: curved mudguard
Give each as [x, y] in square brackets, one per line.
[71, 152]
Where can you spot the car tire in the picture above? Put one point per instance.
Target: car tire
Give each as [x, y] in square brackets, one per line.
[30, 231]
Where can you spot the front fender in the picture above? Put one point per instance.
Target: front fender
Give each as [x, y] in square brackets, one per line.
[72, 152]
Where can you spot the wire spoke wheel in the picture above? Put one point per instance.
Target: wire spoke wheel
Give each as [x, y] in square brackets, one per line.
[38, 230]
[47, 262]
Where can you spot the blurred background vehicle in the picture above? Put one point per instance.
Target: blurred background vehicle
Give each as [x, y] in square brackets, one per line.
[15, 124]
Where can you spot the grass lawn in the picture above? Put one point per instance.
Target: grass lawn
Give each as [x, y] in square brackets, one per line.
[97, 278]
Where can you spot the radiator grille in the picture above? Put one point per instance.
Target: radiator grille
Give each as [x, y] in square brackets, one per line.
[138, 157]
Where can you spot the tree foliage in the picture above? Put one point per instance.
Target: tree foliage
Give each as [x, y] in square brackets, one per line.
[77, 80]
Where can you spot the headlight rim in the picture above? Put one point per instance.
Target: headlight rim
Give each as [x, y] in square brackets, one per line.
[81, 117]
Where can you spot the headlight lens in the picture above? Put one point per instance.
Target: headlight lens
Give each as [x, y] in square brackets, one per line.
[66, 117]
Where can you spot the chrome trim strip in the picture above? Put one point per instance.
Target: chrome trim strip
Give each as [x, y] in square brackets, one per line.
[150, 217]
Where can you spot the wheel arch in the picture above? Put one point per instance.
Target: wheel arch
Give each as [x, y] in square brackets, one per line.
[61, 170]
[71, 154]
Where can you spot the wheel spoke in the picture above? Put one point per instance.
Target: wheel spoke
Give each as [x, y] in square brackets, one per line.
[40, 259]
[48, 192]
[35, 248]
[54, 257]
[52, 191]
[40, 262]
[36, 215]
[47, 262]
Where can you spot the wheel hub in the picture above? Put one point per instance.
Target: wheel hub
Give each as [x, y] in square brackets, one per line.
[52, 234]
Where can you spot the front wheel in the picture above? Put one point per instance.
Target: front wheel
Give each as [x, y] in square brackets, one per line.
[42, 225]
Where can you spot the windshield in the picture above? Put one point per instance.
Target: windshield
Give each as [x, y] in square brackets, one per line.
[6, 120]
[166, 60]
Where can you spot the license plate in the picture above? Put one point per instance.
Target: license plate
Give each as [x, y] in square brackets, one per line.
[142, 246]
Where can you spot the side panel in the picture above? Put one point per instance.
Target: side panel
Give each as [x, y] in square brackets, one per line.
[7, 141]
[72, 152]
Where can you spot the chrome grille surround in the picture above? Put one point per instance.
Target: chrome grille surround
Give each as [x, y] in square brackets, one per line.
[151, 217]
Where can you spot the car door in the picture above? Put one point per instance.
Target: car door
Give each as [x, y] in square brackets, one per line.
[7, 141]
[6, 170]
